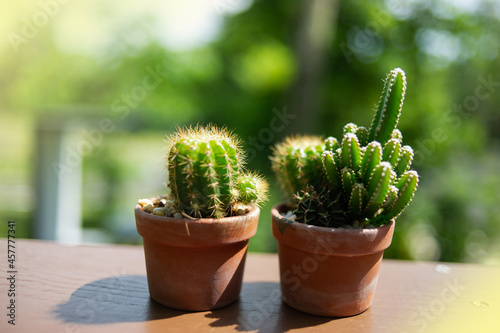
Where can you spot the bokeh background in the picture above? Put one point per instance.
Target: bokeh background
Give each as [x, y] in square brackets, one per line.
[89, 89]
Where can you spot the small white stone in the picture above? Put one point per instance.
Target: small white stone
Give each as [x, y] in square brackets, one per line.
[289, 215]
[178, 215]
[144, 202]
[158, 211]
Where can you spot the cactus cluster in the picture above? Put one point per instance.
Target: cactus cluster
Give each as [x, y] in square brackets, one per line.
[363, 180]
[206, 173]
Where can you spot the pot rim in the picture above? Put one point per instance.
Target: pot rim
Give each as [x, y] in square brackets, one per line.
[202, 232]
[333, 241]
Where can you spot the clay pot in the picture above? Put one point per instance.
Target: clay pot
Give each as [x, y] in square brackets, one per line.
[328, 271]
[198, 264]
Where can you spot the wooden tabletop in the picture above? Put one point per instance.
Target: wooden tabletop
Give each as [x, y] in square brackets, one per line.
[73, 289]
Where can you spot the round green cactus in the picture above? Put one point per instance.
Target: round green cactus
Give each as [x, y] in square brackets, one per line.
[297, 163]
[319, 208]
[251, 189]
[205, 172]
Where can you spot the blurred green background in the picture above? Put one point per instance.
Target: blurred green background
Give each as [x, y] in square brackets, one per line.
[126, 73]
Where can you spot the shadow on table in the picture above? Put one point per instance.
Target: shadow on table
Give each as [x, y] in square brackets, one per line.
[113, 300]
[126, 299]
[260, 309]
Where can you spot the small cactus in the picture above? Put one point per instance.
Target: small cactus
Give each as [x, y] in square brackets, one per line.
[251, 189]
[364, 180]
[297, 162]
[205, 173]
[321, 209]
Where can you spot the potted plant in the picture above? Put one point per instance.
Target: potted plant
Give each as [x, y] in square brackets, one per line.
[196, 236]
[343, 199]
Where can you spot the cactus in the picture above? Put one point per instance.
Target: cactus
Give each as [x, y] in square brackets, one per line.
[252, 189]
[362, 134]
[389, 108]
[205, 173]
[331, 144]
[404, 161]
[406, 185]
[331, 168]
[364, 180]
[351, 155]
[321, 209]
[297, 162]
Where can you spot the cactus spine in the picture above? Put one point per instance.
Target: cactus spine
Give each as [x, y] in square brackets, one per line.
[366, 179]
[205, 173]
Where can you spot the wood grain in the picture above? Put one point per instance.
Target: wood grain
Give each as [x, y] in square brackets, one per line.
[62, 288]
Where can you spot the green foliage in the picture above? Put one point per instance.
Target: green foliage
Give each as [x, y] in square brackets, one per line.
[205, 173]
[358, 182]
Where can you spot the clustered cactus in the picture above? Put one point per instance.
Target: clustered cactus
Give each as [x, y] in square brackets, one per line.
[206, 174]
[363, 180]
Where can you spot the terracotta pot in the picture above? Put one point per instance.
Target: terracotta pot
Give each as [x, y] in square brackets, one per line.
[198, 264]
[328, 271]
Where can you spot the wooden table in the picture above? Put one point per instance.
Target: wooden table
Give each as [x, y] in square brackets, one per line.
[77, 289]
